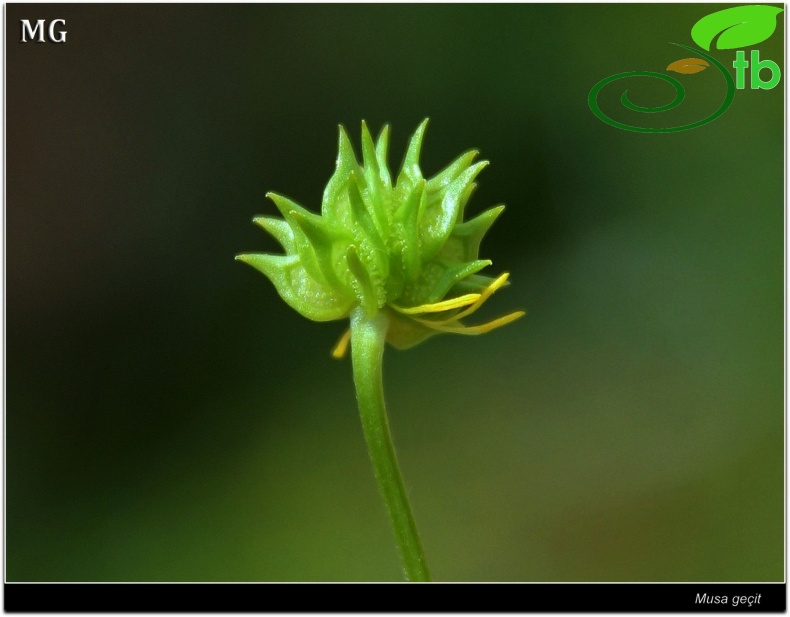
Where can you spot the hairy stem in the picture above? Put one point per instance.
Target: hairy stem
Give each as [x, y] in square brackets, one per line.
[368, 336]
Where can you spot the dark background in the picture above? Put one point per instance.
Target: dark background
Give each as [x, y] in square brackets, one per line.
[169, 418]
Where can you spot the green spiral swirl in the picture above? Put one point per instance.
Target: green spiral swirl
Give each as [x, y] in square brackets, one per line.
[680, 94]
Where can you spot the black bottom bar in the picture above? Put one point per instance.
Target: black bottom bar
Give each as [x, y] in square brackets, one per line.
[394, 598]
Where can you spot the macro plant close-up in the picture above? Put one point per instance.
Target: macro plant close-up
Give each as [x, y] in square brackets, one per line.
[397, 258]
[397, 377]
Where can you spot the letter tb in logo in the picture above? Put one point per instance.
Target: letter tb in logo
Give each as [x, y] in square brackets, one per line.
[38, 32]
[741, 64]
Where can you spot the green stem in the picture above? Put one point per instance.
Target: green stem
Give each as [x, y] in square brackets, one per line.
[368, 336]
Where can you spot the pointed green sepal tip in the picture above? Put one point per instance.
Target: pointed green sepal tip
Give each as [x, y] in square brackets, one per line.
[369, 150]
[279, 229]
[452, 171]
[346, 157]
[411, 162]
[382, 150]
[285, 205]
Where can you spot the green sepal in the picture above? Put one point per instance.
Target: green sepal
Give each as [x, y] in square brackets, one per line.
[474, 283]
[361, 215]
[410, 171]
[451, 172]
[436, 279]
[321, 237]
[364, 286]
[302, 244]
[300, 291]
[279, 229]
[382, 147]
[407, 218]
[313, 238]
[452, 275]
[371, 249]
[439, 218]
[368, 150]
[467, 192]
[367, 212]
[370, 166]
[464, 241]
[345, 164]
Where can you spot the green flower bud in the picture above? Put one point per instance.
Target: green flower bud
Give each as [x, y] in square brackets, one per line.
[402, 248]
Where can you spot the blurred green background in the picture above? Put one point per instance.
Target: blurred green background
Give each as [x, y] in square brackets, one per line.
[169, 418]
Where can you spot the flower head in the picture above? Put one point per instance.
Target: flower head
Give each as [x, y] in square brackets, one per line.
[399, 247]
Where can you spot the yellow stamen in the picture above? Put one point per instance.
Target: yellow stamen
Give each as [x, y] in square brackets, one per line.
[485, 295]
[481, 329]
[339, 350]
[438, 307]
[451, 324]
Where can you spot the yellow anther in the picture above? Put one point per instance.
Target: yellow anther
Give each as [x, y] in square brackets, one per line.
[438, 307]
[472, 302]
[340, 348]
[482, 297]
[481, 329]
[485, 295]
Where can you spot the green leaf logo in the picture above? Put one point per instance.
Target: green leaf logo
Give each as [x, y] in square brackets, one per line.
[740, 26]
